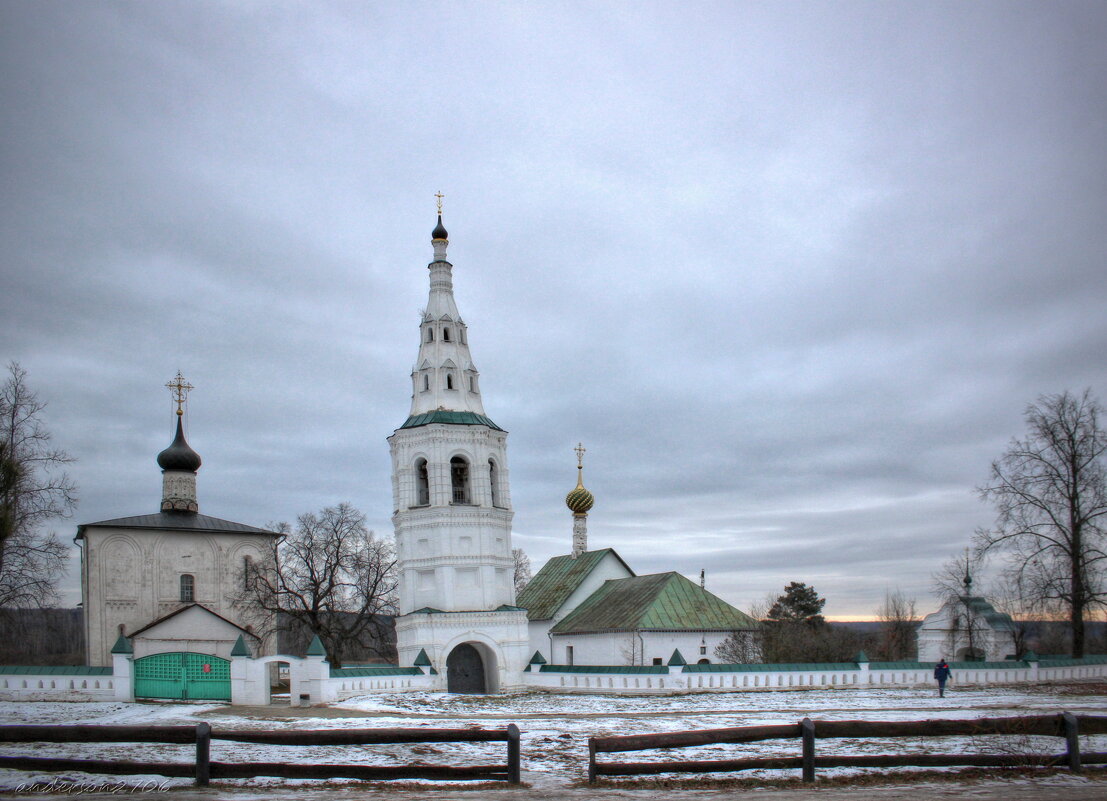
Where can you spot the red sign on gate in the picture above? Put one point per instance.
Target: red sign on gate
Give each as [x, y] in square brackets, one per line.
[207, 668]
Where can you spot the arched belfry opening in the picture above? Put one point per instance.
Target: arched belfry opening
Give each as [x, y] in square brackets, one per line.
[422, 484]
[459, 479]
[466, 670]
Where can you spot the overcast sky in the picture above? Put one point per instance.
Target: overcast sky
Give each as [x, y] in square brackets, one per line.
[791, 271]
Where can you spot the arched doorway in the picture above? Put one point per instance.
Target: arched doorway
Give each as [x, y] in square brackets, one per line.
[465, 670]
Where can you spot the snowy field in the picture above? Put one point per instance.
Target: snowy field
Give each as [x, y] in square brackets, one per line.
[555, 728]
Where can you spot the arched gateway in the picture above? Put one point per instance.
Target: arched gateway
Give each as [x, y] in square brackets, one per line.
[465, 670]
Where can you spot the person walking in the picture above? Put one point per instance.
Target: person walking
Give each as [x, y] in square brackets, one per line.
[941, 673]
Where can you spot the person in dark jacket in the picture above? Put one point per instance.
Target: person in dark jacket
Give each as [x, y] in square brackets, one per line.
[941, 673]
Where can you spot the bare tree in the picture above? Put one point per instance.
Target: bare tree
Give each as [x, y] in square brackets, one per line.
[898, 621]
[740, 648]
[1050, 495]
[331, 576]
[34, 488]
[522, 569]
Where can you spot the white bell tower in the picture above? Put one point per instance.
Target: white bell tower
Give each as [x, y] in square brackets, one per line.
[452, 511]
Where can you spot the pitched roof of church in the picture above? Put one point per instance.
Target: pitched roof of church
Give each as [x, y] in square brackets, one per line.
[557, 580]
[661, 602]
[176, 521]
[176, 612]
[999, 621]
[451, 417]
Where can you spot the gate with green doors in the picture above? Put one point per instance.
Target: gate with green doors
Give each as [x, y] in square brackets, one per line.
[183, 676]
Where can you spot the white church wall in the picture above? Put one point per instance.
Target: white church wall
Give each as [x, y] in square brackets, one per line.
[132, 577]
[634, 648]
[193, 630]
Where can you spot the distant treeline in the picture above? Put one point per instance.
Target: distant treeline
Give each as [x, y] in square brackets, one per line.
[42, 637]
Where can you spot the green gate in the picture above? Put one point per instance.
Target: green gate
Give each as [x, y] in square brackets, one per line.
[183, 676]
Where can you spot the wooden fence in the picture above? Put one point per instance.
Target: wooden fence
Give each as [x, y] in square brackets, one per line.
[203, 770]
[1063, 725]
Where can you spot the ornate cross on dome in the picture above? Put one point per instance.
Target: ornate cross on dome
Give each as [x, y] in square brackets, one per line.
[438, 196]
[179, 389]
[580, 449]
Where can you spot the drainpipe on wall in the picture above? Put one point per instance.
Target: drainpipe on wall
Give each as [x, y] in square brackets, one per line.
[641, 647]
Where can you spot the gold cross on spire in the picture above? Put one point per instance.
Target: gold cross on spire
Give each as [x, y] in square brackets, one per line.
[438, 197]
[580, 449]
[179, 389]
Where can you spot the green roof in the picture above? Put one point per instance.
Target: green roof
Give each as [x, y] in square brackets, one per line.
[54, 670]
[658, 602]
[677, 659]
[383, 670]
[998, 621]
[123, 646]
[316, 647]
[422, 660]
[240, 648]
[452, 418]
[557, 580]
[633, 670]
[538, 659]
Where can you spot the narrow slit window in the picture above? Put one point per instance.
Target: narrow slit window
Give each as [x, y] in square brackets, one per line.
[422, 484]
[430, 334]
[188, 587]
[493, 482]
[445, 334]
[426, 382]
[449, 381]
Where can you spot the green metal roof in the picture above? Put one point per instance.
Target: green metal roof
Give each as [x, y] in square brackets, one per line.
[557, 580]
[383, 670]
[451, 418]
[629, 669]
[240, 648]
[422, 660]
[316, 647]
[54, 670]
[658, 602]
[123, 645]
[677, 659]
[771, 667]
[998, 621]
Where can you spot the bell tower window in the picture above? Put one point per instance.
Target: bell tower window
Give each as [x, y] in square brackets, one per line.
[430, 334]
[426, 383]
[459, 479]
[449, 380]
[422, 484]
[473, 384]
[493, 481]
[188, 588]
[445, 334]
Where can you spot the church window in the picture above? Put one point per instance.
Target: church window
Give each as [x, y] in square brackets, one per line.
[422, 484]
[461, 335]
[657, 660]
[472, 383]
[459, 479]
[430, 334]
[445, 334]
[247, 562]
[188, 587]
[493, 481]
[449, 380]
[703, 649]
[426, 382]
[568, 654]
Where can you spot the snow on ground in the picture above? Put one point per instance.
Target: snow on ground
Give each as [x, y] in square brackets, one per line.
[555, 728]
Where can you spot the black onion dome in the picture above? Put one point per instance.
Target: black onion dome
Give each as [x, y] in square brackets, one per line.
[439, 231]
[179, 456]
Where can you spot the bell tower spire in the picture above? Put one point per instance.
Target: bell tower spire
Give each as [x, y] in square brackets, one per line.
[444, 377]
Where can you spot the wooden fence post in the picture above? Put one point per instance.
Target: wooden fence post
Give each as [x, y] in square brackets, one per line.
[203, 754]
[513, 768]
[591, 759]
[1072, 740]
[807, 731]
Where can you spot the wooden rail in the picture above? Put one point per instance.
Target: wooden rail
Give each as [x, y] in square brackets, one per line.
[203, 770]
[807, 731]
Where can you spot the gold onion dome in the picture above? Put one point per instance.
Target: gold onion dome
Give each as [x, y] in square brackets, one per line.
[579, 500]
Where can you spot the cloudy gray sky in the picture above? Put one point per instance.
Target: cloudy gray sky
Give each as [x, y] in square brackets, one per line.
[791, 271]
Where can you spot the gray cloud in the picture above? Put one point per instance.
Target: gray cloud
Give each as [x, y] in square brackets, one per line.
[791, 273]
